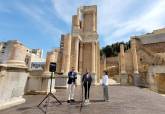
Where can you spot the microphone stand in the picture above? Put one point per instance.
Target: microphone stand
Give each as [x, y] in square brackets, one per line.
[47, 97]
[82, 96]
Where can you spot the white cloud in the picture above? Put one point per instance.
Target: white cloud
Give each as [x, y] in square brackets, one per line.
[39, 18]
[64, 9]
[147, 22]
[111, 25]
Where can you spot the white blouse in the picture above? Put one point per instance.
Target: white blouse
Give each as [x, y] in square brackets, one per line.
[105, 80]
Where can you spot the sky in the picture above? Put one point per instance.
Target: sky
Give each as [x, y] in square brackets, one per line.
[40, 23]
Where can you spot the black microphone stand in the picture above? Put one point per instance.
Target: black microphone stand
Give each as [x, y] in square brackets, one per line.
[82, 101]
[47, 97]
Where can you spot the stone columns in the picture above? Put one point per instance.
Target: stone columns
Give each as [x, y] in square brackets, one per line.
[59, 62]
[122, 60]
[94, 21]
[93, 57]
[81, 58]
[50, 58]
[136, 76]
[66, 53]
[75, 23]
[123, 74]
[13, 80]
[76, 53]
[17, 54]
[134, 55]
[98, 62]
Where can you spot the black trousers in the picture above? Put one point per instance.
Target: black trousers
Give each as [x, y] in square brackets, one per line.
[87, 89]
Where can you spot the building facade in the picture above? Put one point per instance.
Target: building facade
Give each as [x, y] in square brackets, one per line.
[80, 48]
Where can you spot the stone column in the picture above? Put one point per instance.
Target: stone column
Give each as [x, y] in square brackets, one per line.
[81, 58]
[98, 62]
[50, 58]
[59, 62]
[93, 57]
[75, 23]
[76, 53]
[122, 60]
[17, 54]
[94, 21]
[134, 55]
[66, 53]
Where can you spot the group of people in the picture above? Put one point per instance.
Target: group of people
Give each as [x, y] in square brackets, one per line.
[86, 83]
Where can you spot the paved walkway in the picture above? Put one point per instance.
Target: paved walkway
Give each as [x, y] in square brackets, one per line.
[123, 100]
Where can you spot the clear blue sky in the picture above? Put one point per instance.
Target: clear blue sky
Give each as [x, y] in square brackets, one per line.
[39, 23]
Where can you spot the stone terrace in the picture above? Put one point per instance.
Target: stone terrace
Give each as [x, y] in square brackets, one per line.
[123, 100]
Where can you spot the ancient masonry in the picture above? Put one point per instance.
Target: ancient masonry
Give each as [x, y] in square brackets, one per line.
[80, 48]
[15, 73]
[23, 70]
[144, 63]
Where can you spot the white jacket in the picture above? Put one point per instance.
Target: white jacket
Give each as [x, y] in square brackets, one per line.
[105, 80]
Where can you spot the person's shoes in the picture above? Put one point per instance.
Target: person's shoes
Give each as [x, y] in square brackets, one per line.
[107, 100]
[87, 102]
[68, 101]
[72, 100]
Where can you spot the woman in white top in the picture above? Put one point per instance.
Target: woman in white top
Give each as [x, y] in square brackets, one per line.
[105, 83]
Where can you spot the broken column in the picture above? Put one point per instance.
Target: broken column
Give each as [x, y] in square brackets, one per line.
[38, 81]
[93, 57]
[13, 75]
[17, 54]
[81, 58]
[135, 62]
[123, 74]
[49, 58]
[66, 54]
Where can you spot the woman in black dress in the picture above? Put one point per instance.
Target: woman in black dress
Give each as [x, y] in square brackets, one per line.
[86, 81]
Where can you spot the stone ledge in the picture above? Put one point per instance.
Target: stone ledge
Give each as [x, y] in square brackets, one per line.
[11, 103]
[13, 67]
[36, 92]
[61, 87]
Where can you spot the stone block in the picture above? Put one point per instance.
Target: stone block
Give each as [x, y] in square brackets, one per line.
[138, 81]
[61, 81]
[40, 84]
[94, 79]
[160, 79]
[157, 83]
[123, 79]
[12, 85]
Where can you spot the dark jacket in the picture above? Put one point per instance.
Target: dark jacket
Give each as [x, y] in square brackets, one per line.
[86, 79]
[72, 76]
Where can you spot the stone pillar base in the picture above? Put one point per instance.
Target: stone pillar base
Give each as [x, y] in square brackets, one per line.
[117, 78]
[39, 85]
[136, 79]
[16, 63]
[13, 79]
[12, 102]
[94, 79]
[61, 82]
[46, 73]
[124, 79]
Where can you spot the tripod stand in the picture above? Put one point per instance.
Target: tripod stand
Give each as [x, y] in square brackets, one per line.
[47, 98]
[82, 101]
[82, 98]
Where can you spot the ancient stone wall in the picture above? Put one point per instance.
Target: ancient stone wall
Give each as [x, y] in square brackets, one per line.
[12, 85]
[156, 47]
[87, 60]
[156, 77]
[112, 61]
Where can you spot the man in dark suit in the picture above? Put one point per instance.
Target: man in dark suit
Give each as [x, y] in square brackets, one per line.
[72, 76]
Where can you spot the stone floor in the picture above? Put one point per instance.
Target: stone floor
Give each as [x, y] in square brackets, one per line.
[123, 100]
